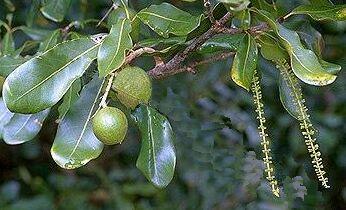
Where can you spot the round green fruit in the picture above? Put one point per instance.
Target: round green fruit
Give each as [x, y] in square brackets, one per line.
[132, 86]
[110, 125]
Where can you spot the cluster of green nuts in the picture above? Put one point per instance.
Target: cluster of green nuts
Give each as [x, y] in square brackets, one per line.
[132, 87]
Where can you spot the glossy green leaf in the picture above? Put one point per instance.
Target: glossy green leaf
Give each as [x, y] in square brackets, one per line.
[55, 10]
[166, 19]
[112, 52]
[69, 98]
[331, 68]
[9, 63]
[5, 116]
[319, 12]
[264, 5]
[287, 97]
[50, 41]
[242, 19]
[75, 143]
[23, 128]
[313, 40]
[121, 13]
[304, 62]
[52, 74]
[245, 62]
[222, 42]
[157, 157]
[271, 48]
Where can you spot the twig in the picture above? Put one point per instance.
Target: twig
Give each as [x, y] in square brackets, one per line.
[192, 66]
[103, 102]
[209, 10]
[173, 66]
[113, 7]
[136, 53]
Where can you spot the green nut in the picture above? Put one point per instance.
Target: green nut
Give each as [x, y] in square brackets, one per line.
[132, 86]
[110, 125]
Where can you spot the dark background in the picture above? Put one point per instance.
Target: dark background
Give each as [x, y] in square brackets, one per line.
[217, 144]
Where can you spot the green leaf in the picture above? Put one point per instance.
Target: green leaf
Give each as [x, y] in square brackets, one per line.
[69, 98]
[5, 116]
[235, 5]
[166, 19]
[288, 96]
[9, 63]
[242, 19]
[112, 52]
[7, 44]
[162, 45]
[331, 68]
[50, 41]
[304, 62]
[35, 33]
[313, 40]
[121, 13]
[222, 42]
[157, 157]
[271, 48]
[264, 5]
[23, 128]
[75, 143]
[245, 62]
[51, 75]
[319, 12]
[55, 10]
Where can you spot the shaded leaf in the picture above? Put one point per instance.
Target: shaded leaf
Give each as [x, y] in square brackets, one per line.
[162, 45]
[50, 41]
[325, 12]
[271, 48]
[166, 19]
[69, 98]
[55, 10]
[23, 128]
[245, 62]
[75, 143]
[287, 97]
[157, 157]
[264, 5]
[112, 52]
[35, 33]
[52, 74]
[222, 42]
[7, 44]
[9, 63]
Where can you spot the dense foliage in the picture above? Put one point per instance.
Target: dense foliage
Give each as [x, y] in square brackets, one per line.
[63, 63]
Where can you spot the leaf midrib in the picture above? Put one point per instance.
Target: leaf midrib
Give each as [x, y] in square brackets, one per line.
[86, 121]
[163, 17]
[118, 45]
[54, 73]
[151, 139]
